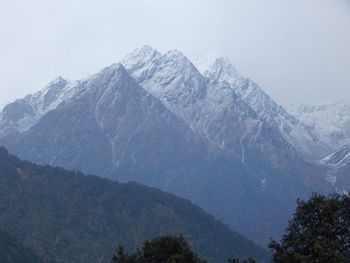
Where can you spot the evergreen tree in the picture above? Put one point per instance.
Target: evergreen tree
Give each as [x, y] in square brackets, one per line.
[120, 256]
[236, 260]
[164, 249]
[318, 232]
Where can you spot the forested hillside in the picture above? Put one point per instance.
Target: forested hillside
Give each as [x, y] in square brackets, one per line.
[69, 217]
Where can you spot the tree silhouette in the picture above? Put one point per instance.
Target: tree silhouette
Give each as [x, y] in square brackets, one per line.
[236, 260]
[318, 232]
[164, 249]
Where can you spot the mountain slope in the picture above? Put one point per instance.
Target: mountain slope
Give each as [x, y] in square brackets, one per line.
[70, 217]
[24, 113]
[202, 100]
[235, 115]
[13, 252]
[221, 72]
[115, 129]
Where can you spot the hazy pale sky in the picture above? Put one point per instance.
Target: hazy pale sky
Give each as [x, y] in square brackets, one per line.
[296, 50]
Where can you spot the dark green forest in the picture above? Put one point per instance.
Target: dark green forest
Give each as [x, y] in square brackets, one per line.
[318, 232]
[165, 249]
[70, 217]
[13, 252]
[52, 215]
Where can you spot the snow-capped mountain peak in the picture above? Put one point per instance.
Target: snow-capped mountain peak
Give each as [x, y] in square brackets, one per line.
[156, 119]
[59, 81]
[176, 81]
[222, 70]
[178, 59]
[170, 77]
[201, 99]
[176, 54]
[52, 94]
[24, 113]
[141, 57]
[295, 133]
[204, 62]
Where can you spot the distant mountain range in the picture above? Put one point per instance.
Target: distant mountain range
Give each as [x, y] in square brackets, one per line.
[69, 217]
[330, 121]
[211, 136]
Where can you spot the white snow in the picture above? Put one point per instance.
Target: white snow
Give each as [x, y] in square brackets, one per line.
[305, 141]
[179, 85]
[140, 58]
[213, 99]
[42, 105]
[339, 158]
[49, 98]
[204, 61]
[331, 177]
[263, 183]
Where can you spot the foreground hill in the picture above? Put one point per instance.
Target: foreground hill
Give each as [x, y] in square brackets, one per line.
[69, 217]
[13, 252]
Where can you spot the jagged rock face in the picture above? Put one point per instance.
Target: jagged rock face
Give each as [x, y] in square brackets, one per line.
[231, 112]
[215, 137]
[113, 124]
[266, 110]
[21, 115]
